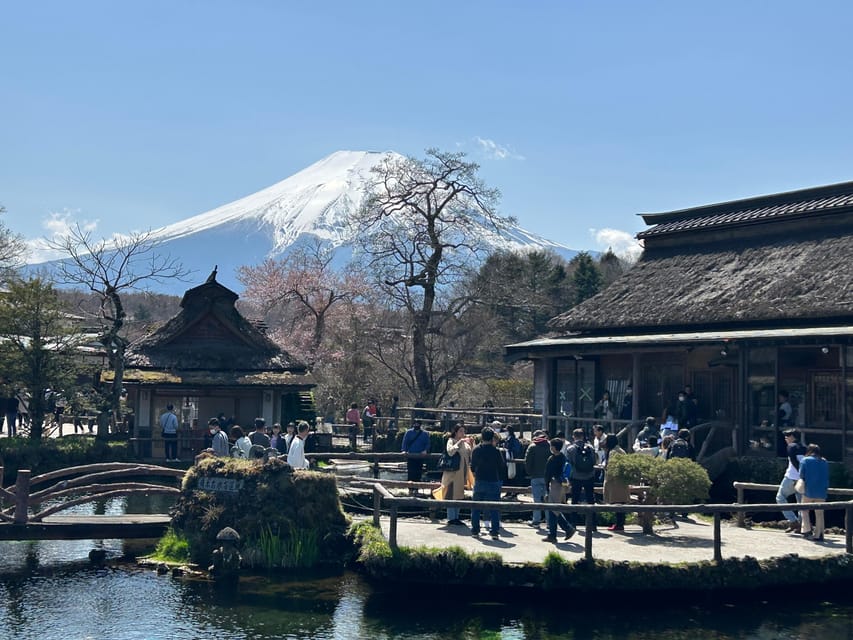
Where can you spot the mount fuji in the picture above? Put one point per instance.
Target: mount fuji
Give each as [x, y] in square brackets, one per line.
[313, 203]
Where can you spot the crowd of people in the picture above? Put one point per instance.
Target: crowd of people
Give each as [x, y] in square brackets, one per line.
[559, 470]
[261, 444]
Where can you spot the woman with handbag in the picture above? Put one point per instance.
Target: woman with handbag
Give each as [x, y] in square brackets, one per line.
[455, 465]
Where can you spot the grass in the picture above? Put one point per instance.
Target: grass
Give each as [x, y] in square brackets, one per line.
[172, 547]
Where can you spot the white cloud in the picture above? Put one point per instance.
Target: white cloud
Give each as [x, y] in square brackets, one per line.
[57, 226]
[622, 243]
[495, 151]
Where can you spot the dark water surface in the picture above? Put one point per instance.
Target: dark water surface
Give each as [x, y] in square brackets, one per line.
[48, 590]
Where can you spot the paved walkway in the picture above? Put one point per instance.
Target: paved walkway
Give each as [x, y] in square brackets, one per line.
[690, 540]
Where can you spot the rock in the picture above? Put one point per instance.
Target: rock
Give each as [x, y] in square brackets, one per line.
[162, 569]
[97, 556]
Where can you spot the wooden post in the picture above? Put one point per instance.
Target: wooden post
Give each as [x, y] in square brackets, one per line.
[590, 521]
[848, 528]
[718, 551]
[392, 529]
[376, 468]
[377, 505]
[22, 495]
[741, 515]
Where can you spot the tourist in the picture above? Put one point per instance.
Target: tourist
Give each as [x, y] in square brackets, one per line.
[603, 408]
[814, 472]
[681, 447]
[785, 413]
[219, 441]
[11, 411]
[795, 452]
[554, 477]
[296, 456]
[535, 460]
[415, 443]
[489, 468]
[169, 431]
[512, 444]
[598, 436]
[368, 419]
[665, 444]
[615, 491]
[289, 436]
[393, 416]
[649, 430]
[685, 411]
[627, 410]
[259, 435]
[582, 457]
[454, 481]
[242, 444]
[277, 440]
[353, 420]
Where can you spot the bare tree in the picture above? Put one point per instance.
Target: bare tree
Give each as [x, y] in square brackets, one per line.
[418, 228]
[109, 269]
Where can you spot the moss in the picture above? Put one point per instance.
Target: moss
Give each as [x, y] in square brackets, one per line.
[276, 511]
[453, 566]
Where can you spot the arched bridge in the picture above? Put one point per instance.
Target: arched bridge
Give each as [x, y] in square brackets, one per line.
[24, 516]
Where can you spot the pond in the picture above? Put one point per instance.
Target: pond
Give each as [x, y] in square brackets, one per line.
[48, 590]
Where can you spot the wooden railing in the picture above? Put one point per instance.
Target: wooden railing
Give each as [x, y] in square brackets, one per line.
[90, 479]
[382, 497]
[752, 486]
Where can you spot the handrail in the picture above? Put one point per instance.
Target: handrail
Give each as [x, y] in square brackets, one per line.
[756, 486]
[23, 499]
[590, 510]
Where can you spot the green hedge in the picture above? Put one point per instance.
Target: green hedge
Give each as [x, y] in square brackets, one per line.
[41, 456]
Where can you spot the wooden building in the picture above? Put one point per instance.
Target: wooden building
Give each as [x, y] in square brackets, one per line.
[743, 300]
[209, 360]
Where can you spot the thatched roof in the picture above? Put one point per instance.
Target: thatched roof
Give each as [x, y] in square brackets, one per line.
[766, 280]
[209, 334]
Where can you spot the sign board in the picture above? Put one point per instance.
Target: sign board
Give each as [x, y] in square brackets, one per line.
[220, 485]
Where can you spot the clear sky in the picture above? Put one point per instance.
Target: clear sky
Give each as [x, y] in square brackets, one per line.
[133, 115]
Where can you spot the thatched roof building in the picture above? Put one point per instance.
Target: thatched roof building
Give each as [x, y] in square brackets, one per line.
[743, 300]
[209, 361]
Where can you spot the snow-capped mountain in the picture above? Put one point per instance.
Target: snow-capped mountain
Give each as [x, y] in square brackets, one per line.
[315, 202]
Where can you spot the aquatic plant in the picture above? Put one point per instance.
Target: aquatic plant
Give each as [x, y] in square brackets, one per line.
[172, 547]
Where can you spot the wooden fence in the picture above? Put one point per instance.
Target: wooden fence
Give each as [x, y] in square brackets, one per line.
[93, 480]
[382, 497]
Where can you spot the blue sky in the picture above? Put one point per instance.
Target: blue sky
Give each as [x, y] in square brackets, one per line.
[583, 114]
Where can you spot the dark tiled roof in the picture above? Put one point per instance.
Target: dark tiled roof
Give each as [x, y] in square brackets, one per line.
[818, 200]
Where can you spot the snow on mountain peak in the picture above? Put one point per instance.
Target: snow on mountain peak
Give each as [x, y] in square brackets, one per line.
[316, 200]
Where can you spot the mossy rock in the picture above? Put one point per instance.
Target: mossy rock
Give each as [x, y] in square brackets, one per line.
[276, 510]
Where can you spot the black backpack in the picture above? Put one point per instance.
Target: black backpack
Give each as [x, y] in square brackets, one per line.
[584, 458]
[679, 449]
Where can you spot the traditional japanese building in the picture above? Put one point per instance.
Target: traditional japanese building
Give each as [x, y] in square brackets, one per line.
[743, 300]
[208, 361]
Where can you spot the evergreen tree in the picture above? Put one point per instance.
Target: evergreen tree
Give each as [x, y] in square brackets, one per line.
[586, 278]
[37, 344]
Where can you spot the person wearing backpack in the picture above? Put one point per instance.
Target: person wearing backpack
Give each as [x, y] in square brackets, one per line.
[556, 492]
[582, 458]
[681, 447]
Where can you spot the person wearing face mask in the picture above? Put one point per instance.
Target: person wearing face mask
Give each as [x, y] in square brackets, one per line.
[220, 445]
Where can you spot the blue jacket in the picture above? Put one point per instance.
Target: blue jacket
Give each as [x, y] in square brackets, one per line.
[815, 473]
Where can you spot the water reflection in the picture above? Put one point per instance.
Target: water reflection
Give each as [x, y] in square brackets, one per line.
[60, 596]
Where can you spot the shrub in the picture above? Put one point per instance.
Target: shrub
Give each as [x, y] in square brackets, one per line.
[676, 481]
